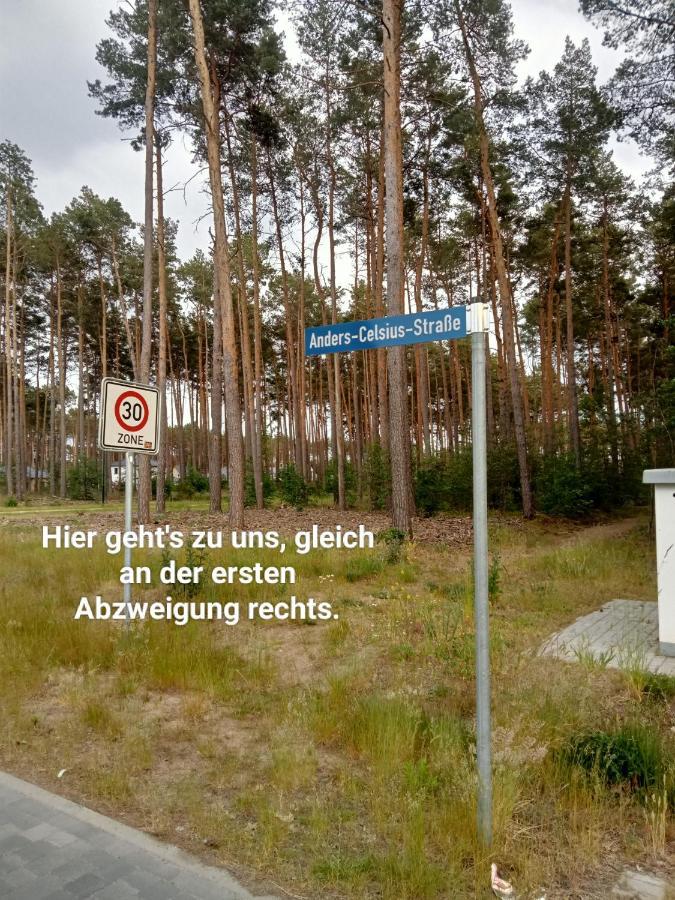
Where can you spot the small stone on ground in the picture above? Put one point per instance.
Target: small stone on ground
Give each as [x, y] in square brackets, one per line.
[641, 886]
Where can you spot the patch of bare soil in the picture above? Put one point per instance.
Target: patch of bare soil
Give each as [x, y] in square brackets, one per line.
[440, 529]
[570, 532]
[296, 652]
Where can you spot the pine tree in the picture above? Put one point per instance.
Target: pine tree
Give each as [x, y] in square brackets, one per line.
[569, 124]
[643, 87]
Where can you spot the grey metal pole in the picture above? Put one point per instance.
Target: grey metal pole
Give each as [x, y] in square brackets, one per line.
[128, 497]
[480, 570]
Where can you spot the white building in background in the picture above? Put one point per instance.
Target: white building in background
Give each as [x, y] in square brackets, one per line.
[118, 472]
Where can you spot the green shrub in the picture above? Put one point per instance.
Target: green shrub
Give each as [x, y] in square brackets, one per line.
[459, 493]
[182, 490]
[503, 478]
[431, 486]
[331, 481]
[658, 686]
[393, 540]
[444, 483]
[193, 483]
[168, 487]
[83, 480]
[292, 487]
[562, 489]
[632, 756]
[249, 486]
[198, 482]
[495, 577]
[11, 501]
[376, 477]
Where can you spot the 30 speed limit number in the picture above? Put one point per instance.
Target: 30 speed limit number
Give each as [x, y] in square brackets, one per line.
[129, 417]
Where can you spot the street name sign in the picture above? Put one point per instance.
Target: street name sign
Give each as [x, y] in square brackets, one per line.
[390, 331]
[129, 419]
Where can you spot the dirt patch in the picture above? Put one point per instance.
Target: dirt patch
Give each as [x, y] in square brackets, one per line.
[295, 651]
[602, 531]
[441, 529]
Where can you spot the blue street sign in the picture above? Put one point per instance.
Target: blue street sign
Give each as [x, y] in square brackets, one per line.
[414, 328]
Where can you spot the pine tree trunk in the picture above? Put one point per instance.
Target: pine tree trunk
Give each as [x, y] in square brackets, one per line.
[9, 436]
[572, 400]
[421, 353]
[291, 356]
[123, 309]
[144, 485]
[257, 315]
[216, 440]
[547, 355]
[19, 436]
[339, 435]
[300, 362]
[163, 454]
[382, 386]
[80, 375]
[399, 436]
[61, 342]
[230, 367]
[249, 401]
[502, 278]
[609, 332]
[52, 398]
[329, 361]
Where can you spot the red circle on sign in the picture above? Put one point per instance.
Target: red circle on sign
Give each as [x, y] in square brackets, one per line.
[146, 412]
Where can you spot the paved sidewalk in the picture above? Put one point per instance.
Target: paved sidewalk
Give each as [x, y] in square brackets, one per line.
[622, 634]
[52, 849]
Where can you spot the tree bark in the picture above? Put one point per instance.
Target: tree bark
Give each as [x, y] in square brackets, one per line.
[399, 436]
[572, 400]
[61, 342]
[144, 485]
[216, 438]
[257, 315]
[502, 278]
[230, 368]
[339, 429]
[247, 365]
[421, 353]
[163, 454]
[9, 437]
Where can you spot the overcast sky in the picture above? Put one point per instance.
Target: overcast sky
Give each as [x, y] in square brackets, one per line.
[47, 55]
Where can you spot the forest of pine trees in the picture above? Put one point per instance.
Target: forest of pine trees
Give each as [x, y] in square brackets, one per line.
[396, 165]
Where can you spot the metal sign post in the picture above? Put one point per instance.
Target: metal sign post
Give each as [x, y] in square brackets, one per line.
[443, 325]
[128, 421]
[479, 325]
[128, 500]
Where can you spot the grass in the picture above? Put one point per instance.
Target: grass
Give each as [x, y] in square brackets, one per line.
[339, 758]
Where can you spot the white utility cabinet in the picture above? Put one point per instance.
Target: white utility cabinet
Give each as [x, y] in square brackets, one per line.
[664, 505]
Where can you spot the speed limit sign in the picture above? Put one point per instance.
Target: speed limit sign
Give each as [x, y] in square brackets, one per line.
[129, 417]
